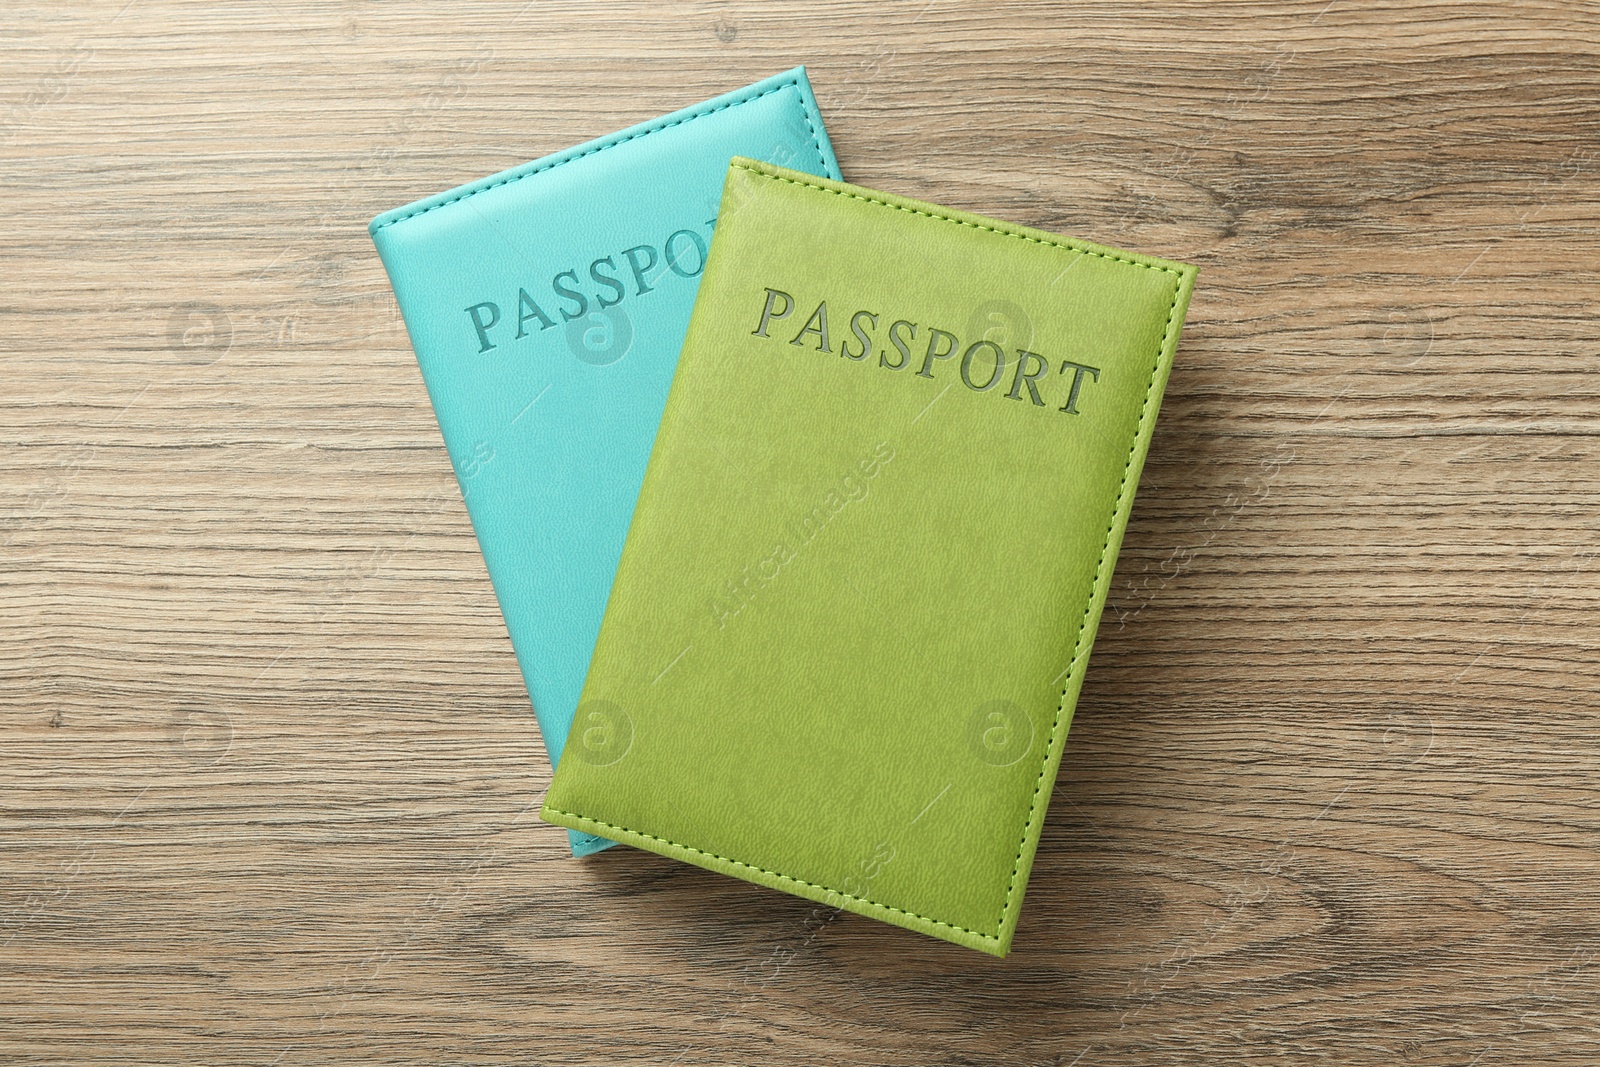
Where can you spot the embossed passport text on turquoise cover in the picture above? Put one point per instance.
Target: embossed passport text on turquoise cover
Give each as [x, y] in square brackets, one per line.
[547, 305]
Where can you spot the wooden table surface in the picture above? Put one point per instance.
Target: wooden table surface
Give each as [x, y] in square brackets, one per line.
[269, 774]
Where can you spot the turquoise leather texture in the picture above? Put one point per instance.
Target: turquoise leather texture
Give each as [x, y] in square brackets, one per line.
[547, 305]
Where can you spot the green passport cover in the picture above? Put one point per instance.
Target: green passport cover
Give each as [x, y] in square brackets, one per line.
[857, 598]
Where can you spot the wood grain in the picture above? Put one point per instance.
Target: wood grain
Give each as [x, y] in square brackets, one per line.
[269, 773]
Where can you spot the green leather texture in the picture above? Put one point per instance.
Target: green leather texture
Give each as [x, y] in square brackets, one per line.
[857, 598]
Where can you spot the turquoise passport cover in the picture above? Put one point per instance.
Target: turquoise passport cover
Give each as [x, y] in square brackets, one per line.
[547, 305]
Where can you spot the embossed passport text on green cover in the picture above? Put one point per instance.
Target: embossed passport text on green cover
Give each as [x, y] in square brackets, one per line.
[547, 305]
[856, 602]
